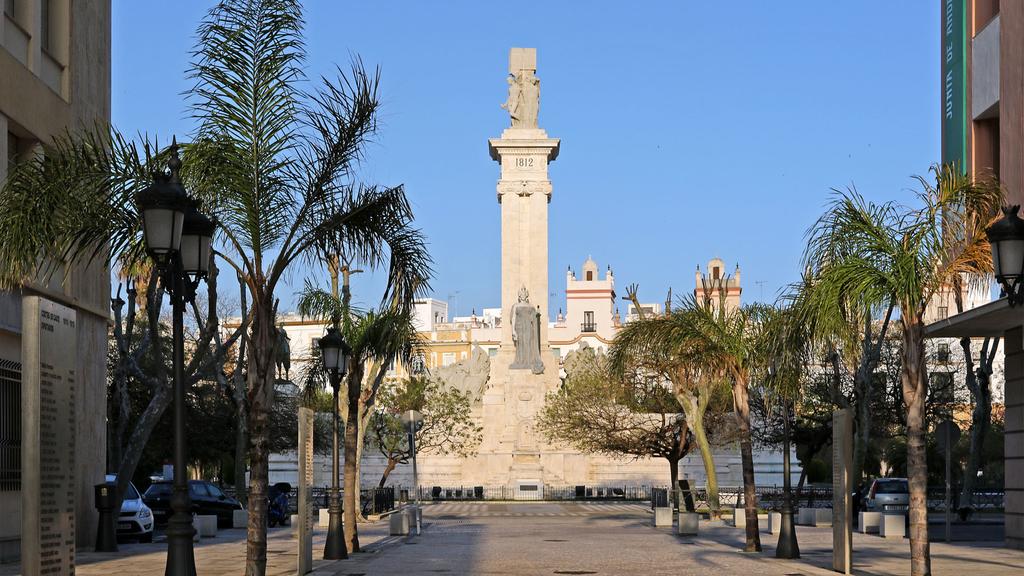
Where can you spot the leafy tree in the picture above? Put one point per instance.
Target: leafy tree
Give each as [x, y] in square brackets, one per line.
[596, 412]
[448, 425]
[892, 253]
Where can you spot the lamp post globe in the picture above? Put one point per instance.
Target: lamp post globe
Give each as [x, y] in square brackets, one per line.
[196, 243]
[1006, 237]
[334, 355]
[163, 205]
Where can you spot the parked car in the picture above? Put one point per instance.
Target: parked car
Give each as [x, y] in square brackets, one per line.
[207, 499]
[135, 519]
[888, 494]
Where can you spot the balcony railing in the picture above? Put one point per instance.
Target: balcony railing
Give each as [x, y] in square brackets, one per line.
[588, 327]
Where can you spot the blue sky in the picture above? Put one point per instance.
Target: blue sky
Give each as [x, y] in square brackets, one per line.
[689, 129]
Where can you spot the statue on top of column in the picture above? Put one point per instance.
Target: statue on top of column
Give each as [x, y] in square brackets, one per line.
[526, 335]
[523, 102]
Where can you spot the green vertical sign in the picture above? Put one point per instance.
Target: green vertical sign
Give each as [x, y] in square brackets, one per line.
[955, 116]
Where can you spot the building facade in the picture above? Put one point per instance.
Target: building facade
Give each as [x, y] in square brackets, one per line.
[54, 77]
[982, 56]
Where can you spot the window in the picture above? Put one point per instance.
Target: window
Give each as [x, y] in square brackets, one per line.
[716, 272]
[10, 426]
[418, 364]
[588, 322]
[492, 352]
[557, 352]
[942, 393]
[12, 150]
[131, 493]
[943, 312]
[45, 16]
[448, 358]
[197, 490]
[590, 275]
[942, 352]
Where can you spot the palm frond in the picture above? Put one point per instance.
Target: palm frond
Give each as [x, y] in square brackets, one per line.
[43, 226]
[246, 65]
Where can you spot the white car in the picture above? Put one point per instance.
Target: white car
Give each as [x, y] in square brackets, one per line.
[135, 519]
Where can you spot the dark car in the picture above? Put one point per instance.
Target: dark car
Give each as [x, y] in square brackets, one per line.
[207, 499]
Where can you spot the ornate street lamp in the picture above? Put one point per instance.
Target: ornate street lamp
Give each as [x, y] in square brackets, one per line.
[788, 546]
[179, 239]
[334, 354]
[413, 421]
[1006, 236]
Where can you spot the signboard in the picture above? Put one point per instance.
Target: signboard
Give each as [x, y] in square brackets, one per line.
[842, 491]
[955, 114]
[49, 353]
[305, 504]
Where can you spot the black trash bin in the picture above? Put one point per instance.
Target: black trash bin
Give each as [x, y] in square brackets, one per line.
[581, 492]
[478, 492]
[105, 498]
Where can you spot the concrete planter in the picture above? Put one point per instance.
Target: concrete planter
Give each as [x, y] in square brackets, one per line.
[323, 518]
[774, 522]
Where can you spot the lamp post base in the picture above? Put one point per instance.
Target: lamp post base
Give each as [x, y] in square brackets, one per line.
[788, 547]
[181, 559]
[334, 548]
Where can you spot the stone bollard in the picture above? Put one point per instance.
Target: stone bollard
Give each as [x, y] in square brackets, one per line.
[205, 525]
[869, 522]
[398, 523]
[822, 517]
[893, 526]
[662, 516]
[240, 519]
[774, 522]
[689, 523]
[323, 519]
[739, 518]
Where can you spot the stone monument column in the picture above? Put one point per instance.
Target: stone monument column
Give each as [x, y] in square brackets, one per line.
[524, 191]
[524, 369]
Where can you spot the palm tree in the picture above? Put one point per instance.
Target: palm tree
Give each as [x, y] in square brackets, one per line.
[272, 161]
[730, 341]
[661, 345]
[850, 334]
[376, 340]
[888, 252]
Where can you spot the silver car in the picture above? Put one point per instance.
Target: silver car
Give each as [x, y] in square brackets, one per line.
[135, 519]
[888, 494]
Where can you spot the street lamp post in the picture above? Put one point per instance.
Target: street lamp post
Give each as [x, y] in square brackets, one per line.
[179, 240]
[1006, 236]
[413, 420]
[334, 353]
[788, 547]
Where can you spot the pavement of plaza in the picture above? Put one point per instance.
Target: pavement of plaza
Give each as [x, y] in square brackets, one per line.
[538, 538]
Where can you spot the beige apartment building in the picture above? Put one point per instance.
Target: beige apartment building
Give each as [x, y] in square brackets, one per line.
[54, 77]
